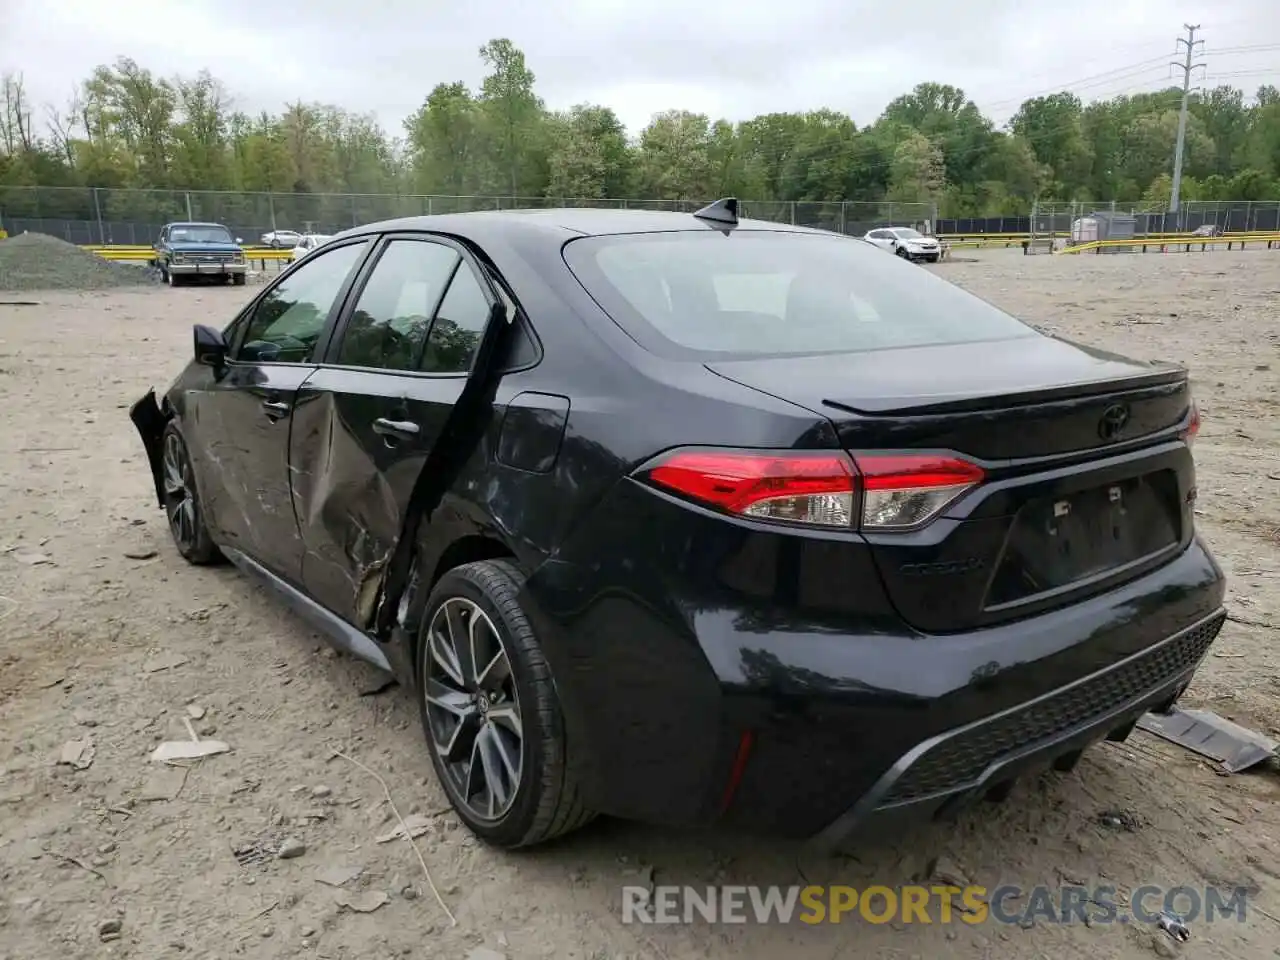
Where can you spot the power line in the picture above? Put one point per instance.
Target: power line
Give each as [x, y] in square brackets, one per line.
[1118, 74]
[1186, 67]
[1109, 76]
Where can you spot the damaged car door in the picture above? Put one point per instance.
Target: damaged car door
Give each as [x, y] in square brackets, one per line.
[243, 419]
[369, 416]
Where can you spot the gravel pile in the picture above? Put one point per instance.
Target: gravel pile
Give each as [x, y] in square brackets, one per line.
[37, 261]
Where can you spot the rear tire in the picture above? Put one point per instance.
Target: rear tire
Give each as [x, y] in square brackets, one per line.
[182, 507]
[238, 279]
[496, 708]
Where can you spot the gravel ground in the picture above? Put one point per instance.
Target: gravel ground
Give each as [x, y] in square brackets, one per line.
[109, 639]
[36, 261]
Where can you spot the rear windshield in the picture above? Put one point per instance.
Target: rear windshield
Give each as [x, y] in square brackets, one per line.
[774, 292]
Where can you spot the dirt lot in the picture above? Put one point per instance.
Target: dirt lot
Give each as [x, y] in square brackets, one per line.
[114, 639]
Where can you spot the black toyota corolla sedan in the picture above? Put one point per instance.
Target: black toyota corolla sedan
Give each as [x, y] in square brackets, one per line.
[693, 519]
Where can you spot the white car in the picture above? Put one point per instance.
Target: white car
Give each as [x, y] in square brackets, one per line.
[905, 242]
[307, 243]
[281, 239]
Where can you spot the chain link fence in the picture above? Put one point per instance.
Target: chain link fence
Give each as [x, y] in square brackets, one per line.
[1229, 216]
[106, 215]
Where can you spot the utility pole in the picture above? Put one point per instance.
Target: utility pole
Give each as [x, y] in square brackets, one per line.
[1186, 66]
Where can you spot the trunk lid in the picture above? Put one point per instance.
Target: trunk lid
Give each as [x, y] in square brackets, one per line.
[1087, 481]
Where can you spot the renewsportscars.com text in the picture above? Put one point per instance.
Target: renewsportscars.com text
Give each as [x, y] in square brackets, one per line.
[941, 904]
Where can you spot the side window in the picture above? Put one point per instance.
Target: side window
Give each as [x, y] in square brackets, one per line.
[288, 321]
[388, 327]
[459, 324]
[522, 351]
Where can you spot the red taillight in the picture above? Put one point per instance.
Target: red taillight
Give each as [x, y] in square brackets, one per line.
[1193, 427]
[795, 487]
[874, 492]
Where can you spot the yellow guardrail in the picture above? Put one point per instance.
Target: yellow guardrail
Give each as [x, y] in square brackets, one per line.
[130, 252]
[1183, 243]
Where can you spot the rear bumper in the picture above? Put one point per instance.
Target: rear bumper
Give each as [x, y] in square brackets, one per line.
[674, 639]
[950, 771]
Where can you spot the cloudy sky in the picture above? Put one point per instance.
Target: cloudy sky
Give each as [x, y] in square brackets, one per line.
[730, 58]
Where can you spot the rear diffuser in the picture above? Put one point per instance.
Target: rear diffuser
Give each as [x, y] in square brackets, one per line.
[1201, 731]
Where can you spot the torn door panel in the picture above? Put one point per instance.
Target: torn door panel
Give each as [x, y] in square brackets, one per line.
[349, 485]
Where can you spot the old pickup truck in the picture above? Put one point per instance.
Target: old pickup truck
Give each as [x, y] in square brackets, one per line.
[193, 250]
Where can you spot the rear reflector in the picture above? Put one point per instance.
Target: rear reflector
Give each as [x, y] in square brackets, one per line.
[1193, 427]
[873, 492]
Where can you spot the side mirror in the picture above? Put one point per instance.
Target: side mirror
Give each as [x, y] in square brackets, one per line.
[210, 347]
[239, 240]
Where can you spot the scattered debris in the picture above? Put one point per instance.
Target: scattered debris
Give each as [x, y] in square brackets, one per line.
[78, 753]
[164, 784]
[291, 848]
[171, 750]
[142, 553]
[49, 684]
[265, 910]
[259, 851]
[84, 718]
[1174, 927]
[1118, 820]
[408, 834]
[194, 712]
[366, 902]
[109, 930]
[947, 871]
[77, 862]
[166, 661]
[33, 559]
[1201, 731]
[414, 826]
[320, 790]
[336, 876]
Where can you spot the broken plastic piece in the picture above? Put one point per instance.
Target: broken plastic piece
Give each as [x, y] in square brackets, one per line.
[1204, 732]
[172, 750]
[723, 211]
[1174, 927]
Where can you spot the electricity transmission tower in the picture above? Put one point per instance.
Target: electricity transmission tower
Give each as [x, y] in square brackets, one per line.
[1186, 66]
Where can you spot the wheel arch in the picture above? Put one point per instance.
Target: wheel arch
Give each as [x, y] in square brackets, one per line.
[433, 558]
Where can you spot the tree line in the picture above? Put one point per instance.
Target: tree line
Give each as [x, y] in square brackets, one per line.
[127, 127]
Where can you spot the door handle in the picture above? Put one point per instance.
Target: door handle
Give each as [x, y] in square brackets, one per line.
[395, 428]
[275, 409]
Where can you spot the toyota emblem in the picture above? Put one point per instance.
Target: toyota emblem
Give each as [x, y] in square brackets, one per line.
[1114, 419]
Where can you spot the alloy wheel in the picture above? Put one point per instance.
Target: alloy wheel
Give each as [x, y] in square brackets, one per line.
[473, 708]
[179, 491]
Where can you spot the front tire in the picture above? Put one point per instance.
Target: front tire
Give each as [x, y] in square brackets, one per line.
[172, 278]
[238, 279]
[182, 506]
[490, 711]
[902, 252]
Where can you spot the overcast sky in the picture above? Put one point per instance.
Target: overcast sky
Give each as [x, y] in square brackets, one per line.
[727, 58]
